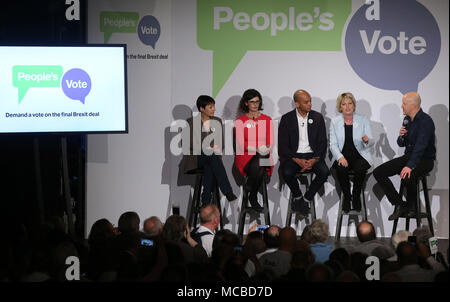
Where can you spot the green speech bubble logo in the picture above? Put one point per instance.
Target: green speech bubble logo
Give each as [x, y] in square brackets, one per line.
[27, 76]
[118, 22]
[232, 27]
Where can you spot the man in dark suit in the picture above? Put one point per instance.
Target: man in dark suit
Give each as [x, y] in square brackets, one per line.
[302, 146]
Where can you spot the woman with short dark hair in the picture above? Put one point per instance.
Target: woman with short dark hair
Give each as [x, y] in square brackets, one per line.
[254, 137]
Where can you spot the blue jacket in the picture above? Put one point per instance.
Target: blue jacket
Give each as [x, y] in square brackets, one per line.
[321, 251]
[420, 139]
[361, 127]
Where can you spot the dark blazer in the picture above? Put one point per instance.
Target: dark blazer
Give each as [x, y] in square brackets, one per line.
[191, 151]
[288, 136]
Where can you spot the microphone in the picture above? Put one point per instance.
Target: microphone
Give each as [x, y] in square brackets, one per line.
[405, 124]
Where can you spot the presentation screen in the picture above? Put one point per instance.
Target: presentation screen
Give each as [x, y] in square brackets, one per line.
[63, 89]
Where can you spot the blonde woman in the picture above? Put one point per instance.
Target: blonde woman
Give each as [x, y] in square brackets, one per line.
[350, 142]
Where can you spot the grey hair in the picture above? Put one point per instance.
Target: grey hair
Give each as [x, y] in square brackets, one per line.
[399, 237]
[319, 231]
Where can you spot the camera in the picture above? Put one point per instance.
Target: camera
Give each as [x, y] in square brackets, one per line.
[146, 242]
[261, 228]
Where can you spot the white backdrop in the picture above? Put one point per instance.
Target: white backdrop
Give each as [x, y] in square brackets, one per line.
[137, 171]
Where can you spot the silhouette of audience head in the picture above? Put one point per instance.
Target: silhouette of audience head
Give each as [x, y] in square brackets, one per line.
[319, 272]
[129, 222]
[271, 236]
[101, 230]
[342, 256]
[406, 253]
[288, 237]
[366, 231]
[153, 226]
[175, 227]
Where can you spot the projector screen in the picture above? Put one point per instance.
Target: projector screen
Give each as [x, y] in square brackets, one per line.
[63, 89]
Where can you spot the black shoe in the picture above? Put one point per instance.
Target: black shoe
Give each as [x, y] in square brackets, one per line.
[356, 202]
[396, 214]
[230, 196]
[253, 199]
[410, 214]
[346, 204]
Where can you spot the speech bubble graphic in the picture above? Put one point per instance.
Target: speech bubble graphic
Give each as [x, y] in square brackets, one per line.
[76, 84]
[230, 28]
[27, 76]
[397, 51]
[149, 30]
[118, 22]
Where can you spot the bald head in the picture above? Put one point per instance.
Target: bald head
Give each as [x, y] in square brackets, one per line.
[365, 231]
[412, 97]
[301, 94]
[208, 214]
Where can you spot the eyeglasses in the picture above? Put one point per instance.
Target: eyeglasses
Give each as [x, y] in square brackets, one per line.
[254, 102]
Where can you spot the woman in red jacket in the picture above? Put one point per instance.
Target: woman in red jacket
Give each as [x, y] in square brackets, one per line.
[254, 140]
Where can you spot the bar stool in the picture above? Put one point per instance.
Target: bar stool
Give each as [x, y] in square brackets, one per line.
[341, 213]
[298, 176]
[245, 209]
[194, 210]
[419, 214]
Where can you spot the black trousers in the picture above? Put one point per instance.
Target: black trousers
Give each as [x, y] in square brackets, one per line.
[395, 166]
[289, 168]
[213, 169]
[255, 173]
[360, 166]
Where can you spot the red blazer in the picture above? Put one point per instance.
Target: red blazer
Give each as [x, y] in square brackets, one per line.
[255, 133]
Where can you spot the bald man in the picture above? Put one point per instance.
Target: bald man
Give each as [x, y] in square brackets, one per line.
[418, 137]
[302, 146]
[209, 221]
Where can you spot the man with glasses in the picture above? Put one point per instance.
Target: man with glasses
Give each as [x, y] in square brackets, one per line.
[302, 146]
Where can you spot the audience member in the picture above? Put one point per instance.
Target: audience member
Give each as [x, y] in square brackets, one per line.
[318, 235]
[342, 256]
[177, 232]
[153, 226]
[209, 221]
[280, 260]
[368, 238]
[408, 258]
[302, 258]
[319, 272]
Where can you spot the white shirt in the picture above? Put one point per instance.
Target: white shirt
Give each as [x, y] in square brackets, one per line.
[303, 142]
[207, 240]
